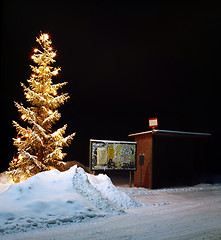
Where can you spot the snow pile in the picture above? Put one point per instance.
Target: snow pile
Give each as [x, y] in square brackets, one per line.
[54, 198]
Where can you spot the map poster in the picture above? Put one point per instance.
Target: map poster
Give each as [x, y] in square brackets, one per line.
[112, 155]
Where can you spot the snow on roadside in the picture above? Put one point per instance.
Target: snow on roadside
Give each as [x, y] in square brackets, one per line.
[145, 191]
[54, 198]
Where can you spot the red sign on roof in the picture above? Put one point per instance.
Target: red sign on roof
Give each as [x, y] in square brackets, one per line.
[153, 122]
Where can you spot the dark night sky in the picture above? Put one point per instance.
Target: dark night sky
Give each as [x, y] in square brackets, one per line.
[124, 63]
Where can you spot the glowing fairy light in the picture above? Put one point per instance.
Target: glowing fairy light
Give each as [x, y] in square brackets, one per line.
[44, 37]
[49, 48]
[26, 135]
[28, 96]
[18, 139]
[55, 72]
[35, 50]
[56, 134]
[23, 117]
[33, 75]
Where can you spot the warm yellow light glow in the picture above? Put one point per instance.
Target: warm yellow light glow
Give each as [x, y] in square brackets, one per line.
[50, 112]
[55, 93]
[50, 49]
[33, 75]
[32, 57]
[55, 72]
[15, 159]
[56, 133]
[44, 36]
[19, 156]
[26, 135]
[53, 54]
[12, 182]
[27, 95]
[35, 50]
[18, 139]
[23, 117]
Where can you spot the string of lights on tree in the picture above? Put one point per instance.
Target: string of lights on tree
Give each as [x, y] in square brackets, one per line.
[39, 147]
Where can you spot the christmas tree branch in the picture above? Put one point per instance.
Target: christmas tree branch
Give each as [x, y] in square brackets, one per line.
[27, 113]
[54, 116]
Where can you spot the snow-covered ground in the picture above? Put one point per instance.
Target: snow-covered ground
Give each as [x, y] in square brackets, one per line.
[55, 198]
[76, 205]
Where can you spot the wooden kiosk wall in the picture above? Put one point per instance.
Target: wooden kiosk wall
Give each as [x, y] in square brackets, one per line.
[170, 158]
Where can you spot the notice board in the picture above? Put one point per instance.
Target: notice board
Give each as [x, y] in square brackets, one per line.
[112, 155]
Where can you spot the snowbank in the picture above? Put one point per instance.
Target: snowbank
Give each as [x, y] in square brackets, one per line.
[197, 188]
[55, 198]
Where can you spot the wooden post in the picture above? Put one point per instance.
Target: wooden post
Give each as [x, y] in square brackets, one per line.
[130, 181]
[141, 176]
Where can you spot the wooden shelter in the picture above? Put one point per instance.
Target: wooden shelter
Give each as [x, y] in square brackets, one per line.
[169, 158]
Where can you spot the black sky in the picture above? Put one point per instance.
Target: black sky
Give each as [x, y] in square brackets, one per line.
[124, 62]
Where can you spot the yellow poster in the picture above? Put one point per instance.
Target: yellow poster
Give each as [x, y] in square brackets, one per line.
[110, 152]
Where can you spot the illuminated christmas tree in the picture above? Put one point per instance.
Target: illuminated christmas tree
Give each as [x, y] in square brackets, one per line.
[39, 147]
